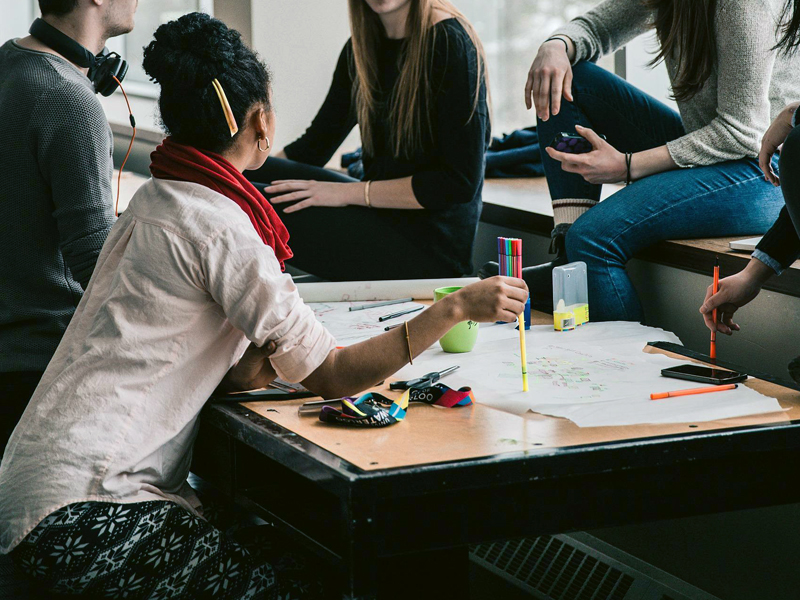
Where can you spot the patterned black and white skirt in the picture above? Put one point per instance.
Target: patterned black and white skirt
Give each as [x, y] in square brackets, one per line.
[154, 550]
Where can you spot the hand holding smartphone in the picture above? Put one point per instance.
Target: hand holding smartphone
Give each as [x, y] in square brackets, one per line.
[572, 143]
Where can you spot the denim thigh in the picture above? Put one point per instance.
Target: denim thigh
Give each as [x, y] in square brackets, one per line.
[727, 199]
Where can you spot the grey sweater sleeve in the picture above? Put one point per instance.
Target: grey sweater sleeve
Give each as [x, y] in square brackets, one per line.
[72, 142]
[745, 60]
[607, 27]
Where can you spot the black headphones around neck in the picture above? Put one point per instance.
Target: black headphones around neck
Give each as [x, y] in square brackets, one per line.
[102, 68]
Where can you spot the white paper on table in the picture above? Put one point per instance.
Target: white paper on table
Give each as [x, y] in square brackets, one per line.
[740, 402]
[352, 327]
[596, 375]
[500, 343]
[352, 291]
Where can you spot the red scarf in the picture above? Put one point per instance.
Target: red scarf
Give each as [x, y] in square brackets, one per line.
[177, 162]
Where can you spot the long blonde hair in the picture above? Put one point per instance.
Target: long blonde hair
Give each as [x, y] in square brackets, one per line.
[411, 98]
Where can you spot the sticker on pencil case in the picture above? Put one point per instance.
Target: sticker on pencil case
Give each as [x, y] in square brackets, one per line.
[376, 410]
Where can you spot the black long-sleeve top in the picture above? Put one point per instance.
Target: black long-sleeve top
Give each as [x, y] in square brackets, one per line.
[781, 243]
[447, 175]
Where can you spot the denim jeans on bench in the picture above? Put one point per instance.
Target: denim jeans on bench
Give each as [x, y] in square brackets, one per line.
[727, 199]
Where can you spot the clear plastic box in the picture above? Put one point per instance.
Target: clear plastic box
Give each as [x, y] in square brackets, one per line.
[570, 296]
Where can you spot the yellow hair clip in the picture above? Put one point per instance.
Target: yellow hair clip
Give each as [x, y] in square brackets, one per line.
[226, 107]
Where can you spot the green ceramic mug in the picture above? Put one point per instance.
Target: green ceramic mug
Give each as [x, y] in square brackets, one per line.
[462, 337]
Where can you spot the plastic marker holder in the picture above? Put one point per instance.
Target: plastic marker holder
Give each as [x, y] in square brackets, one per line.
[570, 296]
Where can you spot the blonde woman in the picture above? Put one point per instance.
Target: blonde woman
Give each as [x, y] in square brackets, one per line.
[412, 77]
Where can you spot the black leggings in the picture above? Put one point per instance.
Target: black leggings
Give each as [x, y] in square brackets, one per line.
[15, 391]
[349, 243]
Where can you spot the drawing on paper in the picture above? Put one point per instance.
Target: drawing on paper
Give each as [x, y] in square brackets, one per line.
[550, 372]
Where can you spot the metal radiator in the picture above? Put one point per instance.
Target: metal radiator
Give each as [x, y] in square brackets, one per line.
[579, 567]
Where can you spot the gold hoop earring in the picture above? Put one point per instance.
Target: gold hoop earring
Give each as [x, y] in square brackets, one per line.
[260, 149]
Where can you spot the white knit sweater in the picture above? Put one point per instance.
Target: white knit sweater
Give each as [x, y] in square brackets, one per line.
[749, 85]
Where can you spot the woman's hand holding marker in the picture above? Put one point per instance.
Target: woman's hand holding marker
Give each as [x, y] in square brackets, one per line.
[604, 164]
[734, 292]
[490, 300]
[359, 366]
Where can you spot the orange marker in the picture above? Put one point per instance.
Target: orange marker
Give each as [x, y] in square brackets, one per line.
[691, 392]
[713, 352]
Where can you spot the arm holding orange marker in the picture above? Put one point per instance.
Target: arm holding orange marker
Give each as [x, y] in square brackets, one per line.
[734, 292]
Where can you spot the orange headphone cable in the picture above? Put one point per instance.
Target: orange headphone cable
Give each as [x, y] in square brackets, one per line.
[130, 146]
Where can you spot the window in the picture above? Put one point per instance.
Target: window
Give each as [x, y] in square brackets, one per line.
[149, 15]
[511, 32]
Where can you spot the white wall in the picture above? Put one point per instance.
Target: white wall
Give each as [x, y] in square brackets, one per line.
[301, 42]
[16, 18]
[300, 46]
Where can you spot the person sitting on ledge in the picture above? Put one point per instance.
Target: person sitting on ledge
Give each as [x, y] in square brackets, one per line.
[188, 296]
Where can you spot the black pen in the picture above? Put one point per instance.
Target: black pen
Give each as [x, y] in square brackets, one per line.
[390, 327]
[399, 314]
[378, 304]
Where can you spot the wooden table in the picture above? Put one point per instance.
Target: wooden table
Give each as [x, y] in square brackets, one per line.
[394, 510]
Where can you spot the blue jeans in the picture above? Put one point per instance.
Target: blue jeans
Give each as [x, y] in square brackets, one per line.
[727, 199]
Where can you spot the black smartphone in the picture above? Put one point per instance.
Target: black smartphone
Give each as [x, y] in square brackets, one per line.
[572, 143]
[277, 390]
[703, 374]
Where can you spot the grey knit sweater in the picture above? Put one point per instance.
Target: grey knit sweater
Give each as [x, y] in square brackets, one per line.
[55, 200]
[749, 86]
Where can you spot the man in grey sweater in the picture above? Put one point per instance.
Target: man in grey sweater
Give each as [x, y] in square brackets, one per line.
[55, 190]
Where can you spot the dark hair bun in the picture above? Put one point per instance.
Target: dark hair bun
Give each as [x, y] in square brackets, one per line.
[192, 50]
[183, 58]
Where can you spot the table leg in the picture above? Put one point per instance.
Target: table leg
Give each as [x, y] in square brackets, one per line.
[370, 574]
[360, 565]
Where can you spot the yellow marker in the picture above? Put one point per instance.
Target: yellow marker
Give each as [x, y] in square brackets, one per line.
[523, 353]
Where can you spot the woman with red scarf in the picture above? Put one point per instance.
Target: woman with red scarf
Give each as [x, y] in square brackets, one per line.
[188, 296]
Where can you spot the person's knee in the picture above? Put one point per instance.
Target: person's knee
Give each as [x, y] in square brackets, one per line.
[590, 239]
[579, 242]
